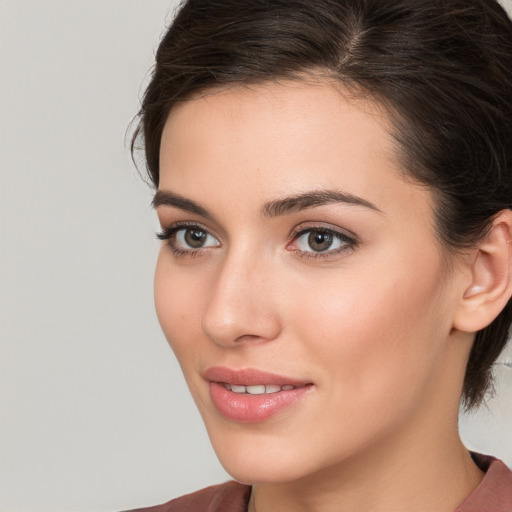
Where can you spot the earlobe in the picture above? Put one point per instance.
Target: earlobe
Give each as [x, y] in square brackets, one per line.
[490, 286]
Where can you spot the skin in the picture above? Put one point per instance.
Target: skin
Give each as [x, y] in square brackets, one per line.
[372, 326]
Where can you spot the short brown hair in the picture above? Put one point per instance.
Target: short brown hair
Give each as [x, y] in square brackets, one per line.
[441, 68]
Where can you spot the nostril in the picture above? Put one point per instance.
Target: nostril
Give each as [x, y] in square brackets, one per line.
[257, 327]
[249, 338]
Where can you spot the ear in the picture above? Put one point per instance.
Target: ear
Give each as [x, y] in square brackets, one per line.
[489, 286]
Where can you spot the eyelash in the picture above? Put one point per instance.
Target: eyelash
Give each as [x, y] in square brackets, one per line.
[169, 234]
[349, 242]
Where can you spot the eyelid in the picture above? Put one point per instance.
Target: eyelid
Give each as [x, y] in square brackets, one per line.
[304, 227]
[168, 233]
[351, 240]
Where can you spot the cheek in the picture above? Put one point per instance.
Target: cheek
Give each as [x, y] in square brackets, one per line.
[177, 302]
[377, 331]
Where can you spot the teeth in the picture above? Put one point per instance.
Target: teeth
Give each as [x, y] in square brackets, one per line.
[259, 389]
[255, 390]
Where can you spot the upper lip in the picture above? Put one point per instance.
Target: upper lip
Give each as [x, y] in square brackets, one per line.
[250, 377]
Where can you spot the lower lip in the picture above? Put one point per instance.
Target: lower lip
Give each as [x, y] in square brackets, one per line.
[246, 408]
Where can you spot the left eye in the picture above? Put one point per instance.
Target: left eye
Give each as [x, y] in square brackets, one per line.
[321, 240]
[193, 238]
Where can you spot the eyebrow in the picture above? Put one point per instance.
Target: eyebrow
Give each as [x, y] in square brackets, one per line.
[167, 198]
[274, 208]
[312, 199]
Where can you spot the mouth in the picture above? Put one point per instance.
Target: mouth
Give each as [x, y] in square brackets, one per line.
[258, 389]
[252, 396]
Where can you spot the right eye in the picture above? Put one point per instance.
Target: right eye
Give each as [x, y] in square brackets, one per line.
[193, 238]
[188, 239]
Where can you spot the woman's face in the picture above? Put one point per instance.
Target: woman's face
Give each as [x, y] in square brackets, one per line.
[300, 283]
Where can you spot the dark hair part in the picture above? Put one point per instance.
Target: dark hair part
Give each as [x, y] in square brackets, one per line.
[441, 68]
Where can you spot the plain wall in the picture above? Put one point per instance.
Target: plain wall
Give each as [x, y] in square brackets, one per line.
[95, 415]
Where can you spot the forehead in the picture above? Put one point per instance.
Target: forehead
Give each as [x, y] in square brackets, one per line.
[261, 142]
[268, 109]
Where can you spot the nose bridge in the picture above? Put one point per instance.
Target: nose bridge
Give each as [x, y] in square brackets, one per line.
[241, 303]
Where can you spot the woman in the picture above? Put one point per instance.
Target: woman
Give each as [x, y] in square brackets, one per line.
[334, 184]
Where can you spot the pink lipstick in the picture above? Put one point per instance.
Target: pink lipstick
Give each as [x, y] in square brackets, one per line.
[251, 396]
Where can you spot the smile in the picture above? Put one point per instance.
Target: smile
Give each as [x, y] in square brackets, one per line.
[244, 396]
[258, 389]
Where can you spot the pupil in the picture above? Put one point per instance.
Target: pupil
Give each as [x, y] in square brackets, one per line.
[195, 237]
[320, 240]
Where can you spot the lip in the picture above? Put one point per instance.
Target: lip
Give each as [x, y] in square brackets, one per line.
[250, 377]
[247, 408]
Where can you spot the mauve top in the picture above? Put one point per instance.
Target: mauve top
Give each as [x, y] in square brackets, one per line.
[494, 494]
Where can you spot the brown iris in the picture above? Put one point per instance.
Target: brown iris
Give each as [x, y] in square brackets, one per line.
[320, 240]
[195, 237]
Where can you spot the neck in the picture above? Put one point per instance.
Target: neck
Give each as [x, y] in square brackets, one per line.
[421, 475]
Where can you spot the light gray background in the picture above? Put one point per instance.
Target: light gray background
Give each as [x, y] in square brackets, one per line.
[95, 415]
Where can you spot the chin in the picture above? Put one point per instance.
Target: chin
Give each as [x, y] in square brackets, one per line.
[254, 456]
[266, 468]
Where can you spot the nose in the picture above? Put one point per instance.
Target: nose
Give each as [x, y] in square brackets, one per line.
[241, 308]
